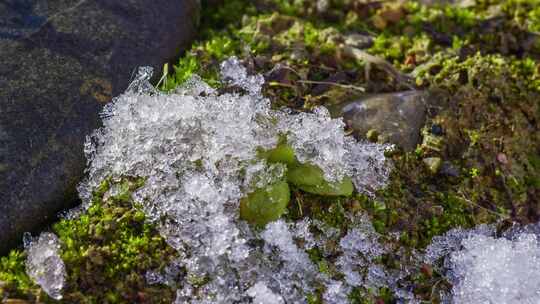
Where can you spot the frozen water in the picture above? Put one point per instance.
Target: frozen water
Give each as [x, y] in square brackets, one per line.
[198, 150]
[44, 264]
[360, 246]
[484, 268]
[260, 174]
[367, 157]
[442, 246]
[297, 275]
[167, 276]
[262, 295]
[336, 293]
[490, 270]
[279, 235]
[320, 140]
[233, 72]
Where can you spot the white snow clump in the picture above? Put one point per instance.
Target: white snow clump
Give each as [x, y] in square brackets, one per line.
[484, 268]
[44, 264]
[262, 295]
[198, 151]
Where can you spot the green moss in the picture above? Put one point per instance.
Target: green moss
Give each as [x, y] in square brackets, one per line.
[361, 295]
[14, 283]
[106, 250]
[187, 66]
[332, 212]
[260, 34]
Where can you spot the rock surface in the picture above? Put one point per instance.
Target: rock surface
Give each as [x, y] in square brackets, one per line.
[396, 117]
[60, 62]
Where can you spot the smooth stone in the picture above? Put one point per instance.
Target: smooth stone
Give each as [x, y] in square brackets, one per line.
[60, 62]
[359, 41]
[449, 170]
[396, 117]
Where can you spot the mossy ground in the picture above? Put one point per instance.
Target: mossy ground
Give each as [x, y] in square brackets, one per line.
[106, 250]
[483, 62]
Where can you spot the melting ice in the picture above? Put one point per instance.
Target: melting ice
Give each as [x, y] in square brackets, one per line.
[198, 150]
[44, 264]
[484, 268]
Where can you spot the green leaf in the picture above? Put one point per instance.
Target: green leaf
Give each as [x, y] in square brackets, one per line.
[310, 178]
[305, 175]
[265, 205]
[283, 153]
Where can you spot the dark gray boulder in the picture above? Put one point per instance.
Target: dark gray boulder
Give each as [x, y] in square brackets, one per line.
[60, 62]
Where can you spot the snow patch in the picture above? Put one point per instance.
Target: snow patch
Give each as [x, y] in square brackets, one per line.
[484, 268]
[262, 295]
[44, 264]
[199, 152]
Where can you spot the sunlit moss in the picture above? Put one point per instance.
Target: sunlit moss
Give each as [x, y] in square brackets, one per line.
[107, 251]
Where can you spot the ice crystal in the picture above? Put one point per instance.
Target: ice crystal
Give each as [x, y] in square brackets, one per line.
[336, 293]
[484, 268]
[360, 247]
[279, 235]
[44, 264]
[236, 74]
[442, 246]
[298, 273]
[490, 270]
[167, 276]
[199, 152]
[262, 295]
[367, 157]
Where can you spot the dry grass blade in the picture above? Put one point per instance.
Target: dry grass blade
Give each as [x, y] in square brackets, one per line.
[358, 54]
